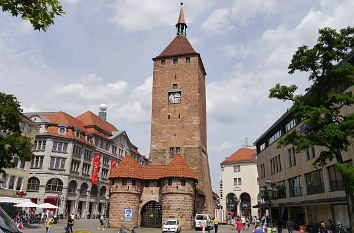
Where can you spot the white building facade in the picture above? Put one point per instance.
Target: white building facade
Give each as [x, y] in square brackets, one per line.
[239, 184]
[61, 172]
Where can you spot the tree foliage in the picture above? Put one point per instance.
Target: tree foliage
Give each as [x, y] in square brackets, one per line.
[320, 108]
[12, 142]
[40, 13]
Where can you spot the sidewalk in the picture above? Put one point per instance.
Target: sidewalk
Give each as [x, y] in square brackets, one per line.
[90, 225]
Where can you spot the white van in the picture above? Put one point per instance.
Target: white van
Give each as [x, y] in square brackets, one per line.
[198, 219]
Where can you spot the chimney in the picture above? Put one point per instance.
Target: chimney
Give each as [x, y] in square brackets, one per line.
[246, 142]
[102, 114]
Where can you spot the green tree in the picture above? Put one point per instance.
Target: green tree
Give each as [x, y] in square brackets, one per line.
[332, 77]
[40, 13]
[12, 142]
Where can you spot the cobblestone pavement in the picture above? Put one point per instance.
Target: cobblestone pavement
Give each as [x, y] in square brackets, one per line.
[90, 225]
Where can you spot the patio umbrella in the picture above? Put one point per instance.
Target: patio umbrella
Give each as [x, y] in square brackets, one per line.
[28, 204]
[47, 206]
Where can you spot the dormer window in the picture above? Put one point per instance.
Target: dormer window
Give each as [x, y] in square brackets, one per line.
[175, 61]
[77, 134]
[162, 62]
[88, 138]
[62, 130]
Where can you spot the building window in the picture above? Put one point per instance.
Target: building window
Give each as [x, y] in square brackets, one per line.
[183, 182]
[335, 178]
[313, 152]
[33, 184]
[15, 161]
[86, 168]
[37, 162]
[62, 130]
[72, 186]
[279, 162]
[239, 181]
[292, 157]
[77, 134]
[105, 160]
[124, 182]
[29, 129]
[83, 189]
[290, 125]
[163, 62]
[169, 182]
[57, 163]
[178, 150]
[262, 147]
[147, 184]
[172, 152]
[77, 150]
[175, 86]
[22, 126]
[308, 156]
[295, 186]
[188, 59]
[237, 168]
[75, 164]
[104, 174]
[12, 182]
[4, 180]
[87, 154]
[133, 182]
[275, 137]
[39, 145]
[314, 182]
[54, 185]
[179, 116]
[60, 146]
[19, 183]
[23, 164]
[175, 61]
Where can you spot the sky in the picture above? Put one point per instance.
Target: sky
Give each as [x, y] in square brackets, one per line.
[101, 52]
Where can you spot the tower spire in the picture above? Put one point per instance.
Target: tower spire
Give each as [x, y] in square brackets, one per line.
[181, 23]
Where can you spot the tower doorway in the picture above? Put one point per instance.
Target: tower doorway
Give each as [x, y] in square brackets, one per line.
[151, 215]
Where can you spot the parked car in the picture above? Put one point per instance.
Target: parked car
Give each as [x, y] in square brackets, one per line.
[171, 225]
[7, 224]
[198, 219]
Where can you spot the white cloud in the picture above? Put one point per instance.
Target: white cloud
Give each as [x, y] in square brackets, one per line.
[224, 146]
[218, 21]
[138, 15]
[239, 51]
[245, 10]
[72, 1]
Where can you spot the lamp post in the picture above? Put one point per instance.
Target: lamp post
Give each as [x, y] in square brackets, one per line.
[270, 191]
[58, 203]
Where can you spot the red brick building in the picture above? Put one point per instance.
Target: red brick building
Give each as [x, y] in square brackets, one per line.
[177, 183]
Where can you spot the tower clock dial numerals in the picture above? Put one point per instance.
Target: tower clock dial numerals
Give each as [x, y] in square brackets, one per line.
[174, 97]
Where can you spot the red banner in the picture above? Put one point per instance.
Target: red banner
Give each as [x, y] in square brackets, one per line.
[96, 168]
[113, 166]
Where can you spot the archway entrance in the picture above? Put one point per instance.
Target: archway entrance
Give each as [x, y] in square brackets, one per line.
[245, 204]
[151, 215]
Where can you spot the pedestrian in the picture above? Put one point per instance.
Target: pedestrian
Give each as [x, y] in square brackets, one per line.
[70, 223]
[323, 228]
[258, 229]
[239, 225]
[216, 224]
[290, 225]
[243, 220]
[209, 224]
[48, 223]
[280, 226]
[101, 227]
[203, 225]
[247, 223]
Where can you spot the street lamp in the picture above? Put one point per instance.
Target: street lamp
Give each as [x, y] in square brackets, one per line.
[58, 203]
[269, 192]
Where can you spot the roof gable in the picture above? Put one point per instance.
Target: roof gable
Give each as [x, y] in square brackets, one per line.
[91, 119]
[128, 168]
[180, 45]
[243, 154]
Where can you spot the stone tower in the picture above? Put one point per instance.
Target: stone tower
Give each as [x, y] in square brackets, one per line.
[178, 124]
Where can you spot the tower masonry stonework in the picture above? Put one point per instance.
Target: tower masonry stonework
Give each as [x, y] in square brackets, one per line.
[176, 183]
[178, 122]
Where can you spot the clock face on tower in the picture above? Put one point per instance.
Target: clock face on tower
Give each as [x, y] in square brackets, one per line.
[174, 97]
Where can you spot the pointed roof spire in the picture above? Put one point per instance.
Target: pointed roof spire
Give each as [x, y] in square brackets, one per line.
[181, 23]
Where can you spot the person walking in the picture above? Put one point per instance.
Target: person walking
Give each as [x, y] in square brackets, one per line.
[101, 227]
[280, 226]
[258, 229]
[323, 228]
[239, 225]
[209, 223]
[203, 225]
[70, 224]
[216, 225]
[48, 223]
[290, 225]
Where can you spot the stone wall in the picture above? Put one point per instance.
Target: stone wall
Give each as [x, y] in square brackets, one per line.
[124, 197]
[178, 203]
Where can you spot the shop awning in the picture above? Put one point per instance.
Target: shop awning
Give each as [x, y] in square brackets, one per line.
[27, 205]
[15, 200]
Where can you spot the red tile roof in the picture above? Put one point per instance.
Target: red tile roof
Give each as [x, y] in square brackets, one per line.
[243, 154]
[181, 18]
[129, 168]
[91, 119]
[62, 118]
[178, 46]
[179, 168]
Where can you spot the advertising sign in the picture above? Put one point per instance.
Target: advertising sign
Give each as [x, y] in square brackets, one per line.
[96, 168]
[128, 215]
[113, 166]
